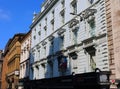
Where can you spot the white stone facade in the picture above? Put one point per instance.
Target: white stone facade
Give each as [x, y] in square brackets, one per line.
[25, 56]
[80, 42]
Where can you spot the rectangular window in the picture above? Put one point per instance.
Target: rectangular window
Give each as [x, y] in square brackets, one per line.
[92, 57]
[43, 65]
[46, 21]
[39, 33]
[61, 42]
[51, 47]
[92, 61]
[63, 3]
[50, 64]
[75, 36]
[40, 26]
[74, 6]
[38, 54]
[62, 14]
[52, 24]
[34, 37]
[45, 51]
[35, 30]
[37, 72]
[52, 21]
[53, 13]
[92, 27]
[62, 64]
[45, 29]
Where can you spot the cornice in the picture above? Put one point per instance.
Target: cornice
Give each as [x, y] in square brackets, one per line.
[13, 58]
[68, 22]
[43, 13]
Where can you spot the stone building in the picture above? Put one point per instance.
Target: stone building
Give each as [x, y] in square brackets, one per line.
[4, 84]
[113, 28]
[10, 72]
[69, 37]
[24, 58]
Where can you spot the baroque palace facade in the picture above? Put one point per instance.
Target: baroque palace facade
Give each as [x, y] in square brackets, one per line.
[71, 44]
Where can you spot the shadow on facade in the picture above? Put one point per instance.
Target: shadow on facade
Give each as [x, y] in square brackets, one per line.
[56, 72]
[57, 61]
[26, 76]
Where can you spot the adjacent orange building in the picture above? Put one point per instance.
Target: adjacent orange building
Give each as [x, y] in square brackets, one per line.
[10, 74]
[4, 70]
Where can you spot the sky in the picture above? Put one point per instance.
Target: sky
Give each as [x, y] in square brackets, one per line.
[16, 17]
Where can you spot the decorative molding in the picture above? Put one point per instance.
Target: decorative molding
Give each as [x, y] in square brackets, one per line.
[33, 50]
[73, 2]
[44, 43]
[62, 11]
[73, 54]
[50, 38]
[9, 74]
[52, 21]
[101, 35]
[89, 12]
[91, 1]
[43, 13]
[47, 3]
[38, 46]
[61, 31]
[43, 61]
[13, 58]
[73, 22]
[50, 59]
[45, 27]
[71, 47]
[91, 18]
[75, 28]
